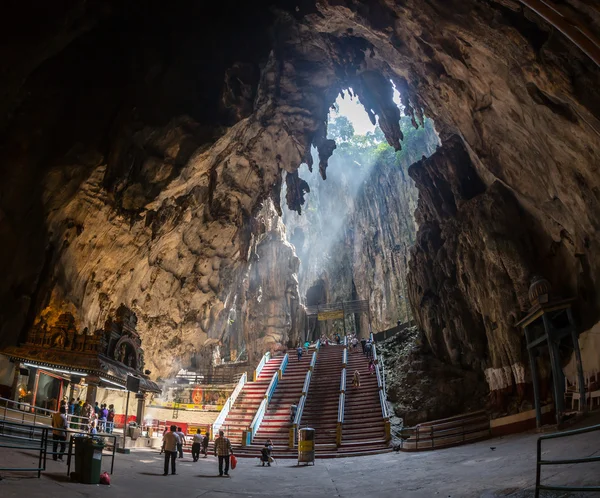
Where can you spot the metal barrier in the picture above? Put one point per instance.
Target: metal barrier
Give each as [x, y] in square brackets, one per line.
[382, 395]
[341, 403]
[302, 402]
[24, 413]
[15, 431]
[77, 425]
[540, 462]
[263, 361]
[218, 423]
[283, 366]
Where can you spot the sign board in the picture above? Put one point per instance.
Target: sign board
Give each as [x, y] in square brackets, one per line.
[330, 315]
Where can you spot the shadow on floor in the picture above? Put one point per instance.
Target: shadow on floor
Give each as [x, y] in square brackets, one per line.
[58, 477]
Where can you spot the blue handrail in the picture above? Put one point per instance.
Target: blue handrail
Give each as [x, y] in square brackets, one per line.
[284, 364]
[263, 361]
[229, 404]
[260, 413]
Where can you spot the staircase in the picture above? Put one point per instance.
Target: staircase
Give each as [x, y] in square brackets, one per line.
[276, 422]
[321, 409]
[245, 407]
[453, 431]
[364, 427]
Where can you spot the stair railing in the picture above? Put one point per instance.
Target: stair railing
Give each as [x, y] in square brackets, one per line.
[382, 395]
[342, 398]
[341, 402]
[260, 413]
[263, 361]
[218, 423]
[297, 419]
[283, 366]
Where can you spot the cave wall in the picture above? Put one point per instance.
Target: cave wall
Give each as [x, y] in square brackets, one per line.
[137, 148]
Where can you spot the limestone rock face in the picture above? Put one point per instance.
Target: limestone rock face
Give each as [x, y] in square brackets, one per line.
[354, 233]
[138, 149]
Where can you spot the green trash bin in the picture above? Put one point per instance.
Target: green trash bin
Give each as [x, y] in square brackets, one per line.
[88, 459]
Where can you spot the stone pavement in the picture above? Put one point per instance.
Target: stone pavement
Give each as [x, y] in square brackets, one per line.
[469, 471]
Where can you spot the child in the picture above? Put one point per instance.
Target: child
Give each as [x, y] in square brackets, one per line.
[371, 367]
[356, 379]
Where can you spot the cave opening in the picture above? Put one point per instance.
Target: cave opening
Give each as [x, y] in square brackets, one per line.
[356, 227]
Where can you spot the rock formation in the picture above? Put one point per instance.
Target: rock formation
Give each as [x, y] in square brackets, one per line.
[354, 232]
[139, 146]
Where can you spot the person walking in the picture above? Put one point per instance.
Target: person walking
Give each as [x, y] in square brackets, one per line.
[293, 411]
[371, 366]
[299, 351]
[196, 443]
[181, 442]
[363, 343]
[170, 441]
[59, 434]
[356, 379]
[205, 442]
[223, 450]
[369, 348]
[162, 448]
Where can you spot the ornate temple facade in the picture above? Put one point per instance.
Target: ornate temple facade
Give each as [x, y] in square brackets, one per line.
[58, 361]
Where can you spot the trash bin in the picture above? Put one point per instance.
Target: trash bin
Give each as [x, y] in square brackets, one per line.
[133, 431]
[306, 445]
[88, 459]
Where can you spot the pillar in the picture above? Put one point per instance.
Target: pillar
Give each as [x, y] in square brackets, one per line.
[141, 404]
[534, 381]
[557, 377]
[92, 389]
[579, 364]
[15, 383]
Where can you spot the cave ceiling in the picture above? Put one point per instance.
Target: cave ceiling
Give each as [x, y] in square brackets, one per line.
[140, 145]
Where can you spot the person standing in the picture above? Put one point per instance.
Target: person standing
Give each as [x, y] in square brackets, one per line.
[97, 409]
[170, 441]
[205, 442]
[76, 414]
[59, 434]
[197, 442]
[110, 419]
[293, 411]
[223, 450]
[103, 418]
[363, 343]
[181, 442]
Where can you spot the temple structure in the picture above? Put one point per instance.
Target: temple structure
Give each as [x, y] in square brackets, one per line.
[59, 361]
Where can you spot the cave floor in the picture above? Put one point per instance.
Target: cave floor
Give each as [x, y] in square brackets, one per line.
[467, 471]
